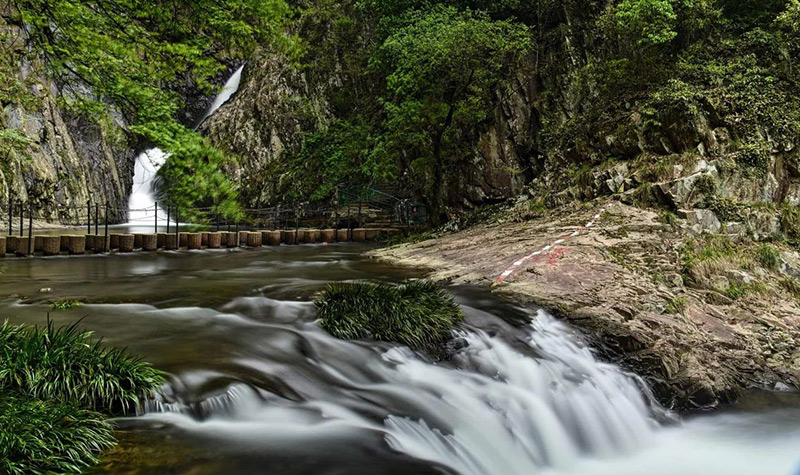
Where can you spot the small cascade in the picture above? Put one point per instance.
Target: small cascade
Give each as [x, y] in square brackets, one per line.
[228, 402]
[505, 412]
[496, 410]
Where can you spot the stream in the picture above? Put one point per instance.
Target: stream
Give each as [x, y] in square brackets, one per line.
[255, 386]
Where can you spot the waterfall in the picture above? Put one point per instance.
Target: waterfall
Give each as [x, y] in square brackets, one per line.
[508, 413]
[142, 202]
[494, 409]
[228, 90]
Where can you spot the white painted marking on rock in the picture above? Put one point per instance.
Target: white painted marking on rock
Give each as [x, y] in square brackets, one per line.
[577, 232]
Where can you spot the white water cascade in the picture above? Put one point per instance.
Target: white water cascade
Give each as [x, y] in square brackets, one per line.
[142, 208]
[499, 411]
[228, 90]
[512, 414]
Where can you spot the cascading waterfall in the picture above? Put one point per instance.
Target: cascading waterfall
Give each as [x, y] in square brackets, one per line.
[142, 208]
[142, 202]
[509, 413]
[497, 410]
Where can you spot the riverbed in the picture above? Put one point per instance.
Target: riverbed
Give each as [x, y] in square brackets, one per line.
[256, 387]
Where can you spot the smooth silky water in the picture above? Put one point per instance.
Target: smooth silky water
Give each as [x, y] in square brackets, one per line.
[256, 387]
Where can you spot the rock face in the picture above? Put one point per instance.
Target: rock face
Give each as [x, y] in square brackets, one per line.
[277, 104]
[66, 160]
[274, 107]
[698, 337]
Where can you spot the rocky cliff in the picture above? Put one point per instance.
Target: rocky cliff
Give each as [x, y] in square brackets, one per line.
[55, 159]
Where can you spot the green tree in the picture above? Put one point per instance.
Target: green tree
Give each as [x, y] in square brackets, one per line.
[442, 67]
[788, 23]
[649, 22]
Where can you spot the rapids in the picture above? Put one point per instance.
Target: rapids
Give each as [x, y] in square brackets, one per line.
[255, 386]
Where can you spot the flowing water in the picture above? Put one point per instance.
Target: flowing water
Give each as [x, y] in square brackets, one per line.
[143, 212]
[255, 386]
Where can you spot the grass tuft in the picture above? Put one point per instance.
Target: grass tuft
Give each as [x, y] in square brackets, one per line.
[57, 385]
[38, 437]
[66, 364]
[64, 304]
[676, 305]
[419, 314]
[769, 257]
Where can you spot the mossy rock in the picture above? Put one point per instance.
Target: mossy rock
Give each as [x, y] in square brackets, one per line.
[419, 314]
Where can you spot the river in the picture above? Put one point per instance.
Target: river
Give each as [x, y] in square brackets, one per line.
[256, 387]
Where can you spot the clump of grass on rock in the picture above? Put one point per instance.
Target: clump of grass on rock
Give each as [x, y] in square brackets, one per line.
[65, 304]
[57, 385]
[419, 314]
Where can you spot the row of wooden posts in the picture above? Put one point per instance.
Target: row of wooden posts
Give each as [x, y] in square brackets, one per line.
[75, 244]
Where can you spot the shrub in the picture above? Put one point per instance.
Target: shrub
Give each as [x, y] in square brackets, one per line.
[769, 257]
[419, 314]
[49, 436]
[65, 364]
[754, 157]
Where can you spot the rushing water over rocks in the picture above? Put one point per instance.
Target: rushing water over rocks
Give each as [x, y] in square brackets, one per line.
[492, 409]
[255, 386]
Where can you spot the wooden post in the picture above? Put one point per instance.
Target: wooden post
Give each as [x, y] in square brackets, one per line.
[349, 223]
[336, 210]
[155, 229]
[177, 225]
[359, 213]
[96, 218]
[107, 224]
[297, 226]
[10, 216]
[168, 210]
[30, 229]
[88, 217]
[21, 219]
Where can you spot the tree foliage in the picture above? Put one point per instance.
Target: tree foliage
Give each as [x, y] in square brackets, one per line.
[650, 22]
[443, 67]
